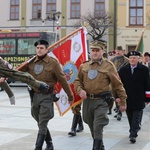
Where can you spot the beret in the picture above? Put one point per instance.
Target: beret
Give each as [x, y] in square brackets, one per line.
[41, 42]
[133, 53]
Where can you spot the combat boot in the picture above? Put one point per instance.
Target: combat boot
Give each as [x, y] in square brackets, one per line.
[97, 144]
[74, 125]
[109, 111]
[48, 139]
[80, 125]
[39, 142]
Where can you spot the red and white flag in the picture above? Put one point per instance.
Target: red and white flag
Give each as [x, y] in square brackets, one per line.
[70, 54]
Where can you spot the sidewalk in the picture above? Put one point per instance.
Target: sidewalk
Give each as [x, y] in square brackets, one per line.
[18, 129]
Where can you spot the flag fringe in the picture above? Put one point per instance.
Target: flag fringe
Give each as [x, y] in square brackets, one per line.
[73, 105]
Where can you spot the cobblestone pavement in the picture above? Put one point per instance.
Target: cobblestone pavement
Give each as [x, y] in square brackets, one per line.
[18, 129]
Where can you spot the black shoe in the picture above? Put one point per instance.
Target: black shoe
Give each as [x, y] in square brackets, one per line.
[115, 116]
[118, 117]
[109, 112]
[132, 139]
[72, 132]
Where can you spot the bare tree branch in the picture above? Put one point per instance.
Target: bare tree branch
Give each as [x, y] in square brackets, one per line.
[98, 26]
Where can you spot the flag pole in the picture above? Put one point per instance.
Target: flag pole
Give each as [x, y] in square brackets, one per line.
[50, 47]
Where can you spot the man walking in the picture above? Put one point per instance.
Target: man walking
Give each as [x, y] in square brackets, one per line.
[93, 85]
[48, 70]
[136, 81]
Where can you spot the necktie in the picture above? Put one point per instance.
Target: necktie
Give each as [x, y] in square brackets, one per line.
[132, 70]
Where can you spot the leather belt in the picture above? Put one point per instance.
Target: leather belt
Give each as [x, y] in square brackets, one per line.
[101, 95]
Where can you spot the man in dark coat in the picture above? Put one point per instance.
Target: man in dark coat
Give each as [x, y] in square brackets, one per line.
[136, 84]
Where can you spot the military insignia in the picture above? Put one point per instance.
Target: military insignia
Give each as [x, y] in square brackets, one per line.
[76, 47]
[38, 69]
[92, 74]
[64, 99]
[70, 71]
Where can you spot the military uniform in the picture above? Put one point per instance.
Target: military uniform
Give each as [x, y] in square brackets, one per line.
[7, 71]
[94, 77]
[48, 70]
[119, 61]
[9, 92]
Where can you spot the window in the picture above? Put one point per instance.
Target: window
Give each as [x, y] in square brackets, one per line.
[36, 9]
[136, 13]
[7, 46]
[99, 8]
[75, 9]
[14, 9]
[51, 7]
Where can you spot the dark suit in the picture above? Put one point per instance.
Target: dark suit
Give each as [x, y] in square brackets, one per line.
[136, 85]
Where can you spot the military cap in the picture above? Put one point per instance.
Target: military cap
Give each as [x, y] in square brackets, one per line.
[119, 48]
[133, 53]
[97, 44]
[41, 42]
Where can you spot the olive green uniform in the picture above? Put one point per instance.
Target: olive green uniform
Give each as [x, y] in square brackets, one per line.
[42, 103]
[119, 61]
[95, 109]
[9, 92]
[7, 71]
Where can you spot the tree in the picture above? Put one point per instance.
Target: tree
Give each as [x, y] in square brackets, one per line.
[97, 26]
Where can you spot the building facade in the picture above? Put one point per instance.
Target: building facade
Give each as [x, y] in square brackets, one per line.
[133, 20]
[131, 17]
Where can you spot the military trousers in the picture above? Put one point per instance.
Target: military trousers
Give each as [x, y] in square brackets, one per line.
[95, 115]
[77, 109]
[7, 89]
[42, 110]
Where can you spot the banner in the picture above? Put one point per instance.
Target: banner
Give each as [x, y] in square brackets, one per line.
[140, 45]
[71, 54]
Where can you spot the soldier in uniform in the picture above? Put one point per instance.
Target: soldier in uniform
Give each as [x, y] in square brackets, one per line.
[119, 60]
[8, 90]
[48, 70]
[6, 70]
[93, 85]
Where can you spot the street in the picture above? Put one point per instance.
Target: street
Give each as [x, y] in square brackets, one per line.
[18, 130]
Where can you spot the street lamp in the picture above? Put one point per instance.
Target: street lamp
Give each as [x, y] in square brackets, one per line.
[53, 17]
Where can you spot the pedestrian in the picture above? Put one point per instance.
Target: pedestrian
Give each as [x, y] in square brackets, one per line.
[93, 86]
[146, 60]
[77, 123]
[136, 81]
[6, 70]
[4, 85]
[119, 60]
[48, 70]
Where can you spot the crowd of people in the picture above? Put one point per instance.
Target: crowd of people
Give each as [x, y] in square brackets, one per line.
[101, 81]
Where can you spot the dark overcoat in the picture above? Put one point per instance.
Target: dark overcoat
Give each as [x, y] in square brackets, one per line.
[136, 85]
